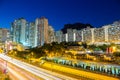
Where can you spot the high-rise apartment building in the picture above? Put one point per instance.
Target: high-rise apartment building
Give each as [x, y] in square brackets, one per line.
[99, 35]
[4, 35]
[87, 35]
[58, 36]
[79, 35]
[65, 37]
[51, 34]
[114, 32]
[42, 28]
[32, 35]
[19, 30]
[71, 35]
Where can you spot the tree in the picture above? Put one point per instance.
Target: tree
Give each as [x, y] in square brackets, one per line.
[103, 47]
[92, 47]
[84, 44]
[116, 54]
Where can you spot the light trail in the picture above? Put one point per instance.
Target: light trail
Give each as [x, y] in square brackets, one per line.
[42, 73]
[20, 72]
[16, 74]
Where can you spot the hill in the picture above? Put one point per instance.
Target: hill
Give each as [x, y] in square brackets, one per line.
[77, 26]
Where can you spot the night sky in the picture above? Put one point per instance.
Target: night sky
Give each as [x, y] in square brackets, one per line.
[60, 12]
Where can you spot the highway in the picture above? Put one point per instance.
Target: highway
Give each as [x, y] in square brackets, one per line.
[17, 73]
[42, 73]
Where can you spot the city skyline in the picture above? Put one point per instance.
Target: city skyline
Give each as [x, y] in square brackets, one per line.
[39, 32]
[60, 12]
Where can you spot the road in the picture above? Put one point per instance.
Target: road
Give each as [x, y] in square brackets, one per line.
[17, 73]
[22, 75]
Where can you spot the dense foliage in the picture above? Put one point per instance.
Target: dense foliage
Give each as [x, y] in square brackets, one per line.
[63, 49]
[116, 54]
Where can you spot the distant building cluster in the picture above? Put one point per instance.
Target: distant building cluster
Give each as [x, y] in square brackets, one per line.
[37, 33]
[32, 33]
[104, 35]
